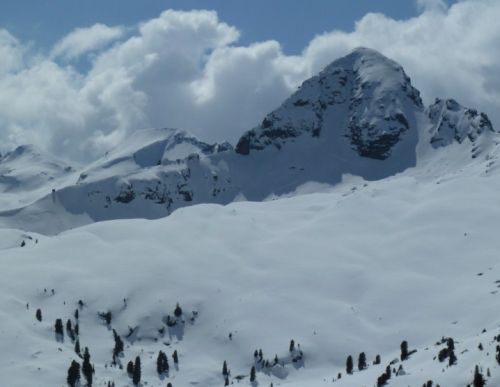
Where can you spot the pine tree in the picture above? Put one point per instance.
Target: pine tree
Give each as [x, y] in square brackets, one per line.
[404, 350]
[349, 365]
[226, 381]
[106, 316]
[292, 345]
[478, 378]
[69, 330]
[377, 360]
[162, 363]
[169, 384]
[38, 315]
[252, 374]
[361, 361]
[77, 315]
[452, 360]
[77, 347]
[136, 376]
[87, 369]
[130, 368]
[175, 357]
[59, 327]
[77, 329]
[178, 310]
[224, 369]
[73, 374]
[118, 344]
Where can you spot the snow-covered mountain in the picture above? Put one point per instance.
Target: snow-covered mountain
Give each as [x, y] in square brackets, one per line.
[359, 116]
[355, 219]
[26, 173]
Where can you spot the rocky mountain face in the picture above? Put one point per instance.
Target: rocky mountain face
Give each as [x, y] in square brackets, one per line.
[453, 122]
[361, 116]
[371, 96]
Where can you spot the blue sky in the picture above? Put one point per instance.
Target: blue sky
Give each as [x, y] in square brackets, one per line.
[291, 22]
[79, 76]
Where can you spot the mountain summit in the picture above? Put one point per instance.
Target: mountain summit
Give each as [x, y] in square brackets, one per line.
[360, 116]
[364, 98]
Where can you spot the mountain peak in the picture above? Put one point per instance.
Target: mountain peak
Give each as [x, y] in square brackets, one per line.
[363, 96]
[453, 122]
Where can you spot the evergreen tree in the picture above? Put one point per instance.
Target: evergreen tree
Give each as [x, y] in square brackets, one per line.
[478, 378]
[404, 350]
[361, 361]
[162, 363]
[276, 360]
[178, 310]
[77, 347]
[118, 344]
[106, 316]
[349, 365]
[38, 315]
[169, 384]
[130, 368]
[73, 374]
[388, 371]
[69, 330]
[252, 374]
[77, 315]
[292, 345]
[175, 357]
[452, 360]
[377, 360]
[87, 369]
[136, 376]
[226, 381]
[224, 369]
[77, 329]
[59, 327]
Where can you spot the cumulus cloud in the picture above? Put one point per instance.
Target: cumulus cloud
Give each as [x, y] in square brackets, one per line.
[84, 40]
[186, 70]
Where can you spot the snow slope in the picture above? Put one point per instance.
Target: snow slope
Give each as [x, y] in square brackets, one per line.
[358, 268]
[27, 173]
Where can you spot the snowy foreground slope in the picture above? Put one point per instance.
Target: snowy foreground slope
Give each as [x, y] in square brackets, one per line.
[357, 268]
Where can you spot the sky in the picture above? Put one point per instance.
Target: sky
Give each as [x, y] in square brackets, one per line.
[77, 77]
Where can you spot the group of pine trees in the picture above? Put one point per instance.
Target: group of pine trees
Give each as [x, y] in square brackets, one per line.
[362, 364]
[134, 370]
[448, 352]
[87, 369]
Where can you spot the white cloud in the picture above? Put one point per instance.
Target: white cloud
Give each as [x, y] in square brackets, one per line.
[186, 70]
[11, 52]
[84, 40]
